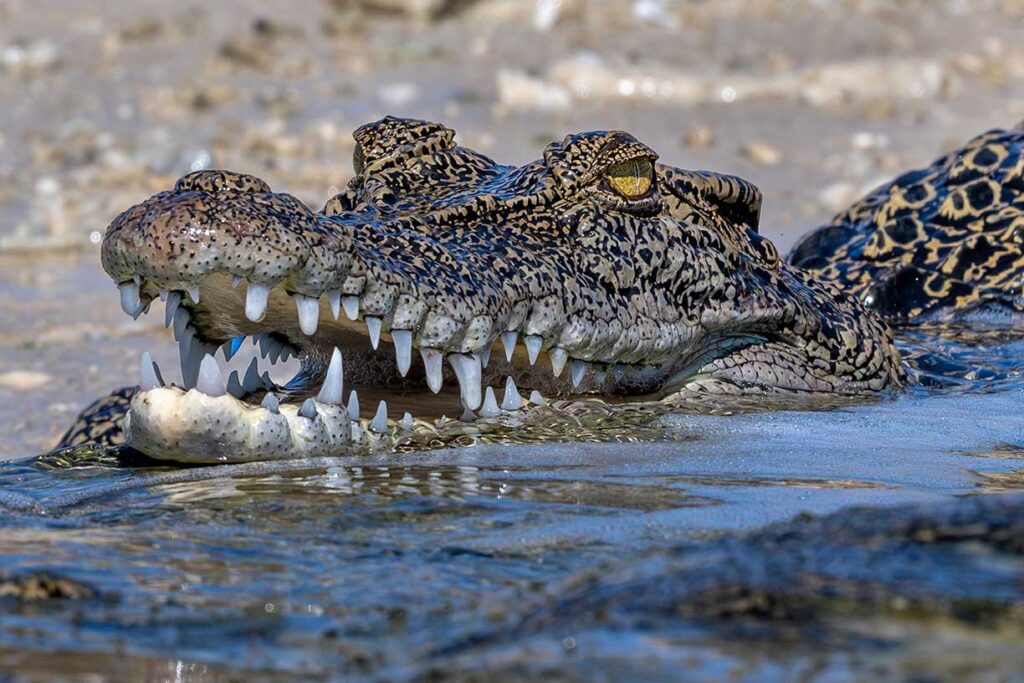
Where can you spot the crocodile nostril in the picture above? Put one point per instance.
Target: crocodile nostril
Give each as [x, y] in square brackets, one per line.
[212, 182]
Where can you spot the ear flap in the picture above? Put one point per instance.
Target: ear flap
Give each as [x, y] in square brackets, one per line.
[578, 159]
[733, 198]
[391, 140]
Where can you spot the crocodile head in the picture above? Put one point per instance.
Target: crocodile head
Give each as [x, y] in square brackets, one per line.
[635, 279]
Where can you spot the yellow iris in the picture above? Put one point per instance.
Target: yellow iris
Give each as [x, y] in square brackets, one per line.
[631, 178]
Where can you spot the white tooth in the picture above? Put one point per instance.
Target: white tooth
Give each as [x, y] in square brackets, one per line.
[406, 423]
[577, 368]
[433, 360]
[403, 349]
[149, 377]
[332, 390]
[270, 402]
[256, 295]
[536, 399]
[181, 319]
[558, 358]
[485, 356]
[373, 327]
[512, 399]
[380, 420]
[138, 279]
[533, 343]
[353, 406]
[251, 379]
[508, 340]
[334, 299]
[309, 313]
[490, 407]
[351, 306]
[234, 386]
[130, 302]
[308, 409]
[235, 281]
[442, 421]
[467, 415]
[193, 291]
[173, 300]
[210, 380]
[467, 369]
[163, 295]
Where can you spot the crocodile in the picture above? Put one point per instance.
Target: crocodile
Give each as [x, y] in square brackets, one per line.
[640, 281]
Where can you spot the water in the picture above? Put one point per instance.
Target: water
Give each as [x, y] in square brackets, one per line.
[401, 565]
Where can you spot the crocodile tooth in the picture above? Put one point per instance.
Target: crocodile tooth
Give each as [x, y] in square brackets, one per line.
[403, 349]
[536, 399]
[308, 409]
[467, 370]
[270, 402]
[185, 343]
[130, 302]
[467, 414]
[256, 296]
[180, 322]
[577, 368]
[193, 292]
[234, 385]
[373, 328]
[353, 406]
[351, 306]
[442, 421]
[433, 361]
[512, 400]
[332, 390]
[406, 422]
[149, 373]
[533, 343]
[558, 357]
[210, 380]
[235, 281]
[485, 356]
[251, 380]
[334, 299]
[309, 313]
[173, 300]
[490, 407]
[379, 423]
[508, 340]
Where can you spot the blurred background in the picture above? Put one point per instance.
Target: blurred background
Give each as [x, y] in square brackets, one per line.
[108, 102]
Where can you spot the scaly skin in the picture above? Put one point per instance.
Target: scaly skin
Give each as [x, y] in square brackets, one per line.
[668, 293]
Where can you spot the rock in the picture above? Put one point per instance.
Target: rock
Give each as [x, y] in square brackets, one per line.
[761, 153]
[518, 90]
[18, 380]
[698, 137]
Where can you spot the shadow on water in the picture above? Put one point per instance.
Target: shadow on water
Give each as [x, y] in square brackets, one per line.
[592, 543]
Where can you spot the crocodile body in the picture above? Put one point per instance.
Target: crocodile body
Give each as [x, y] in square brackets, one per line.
[637, 279]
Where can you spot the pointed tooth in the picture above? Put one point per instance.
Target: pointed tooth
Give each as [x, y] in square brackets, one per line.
[467, 414]
[577, 368]
[190, 353]
[490, 407]
[193, 292]
[353, 406]
[433, 360]
[533, 343]
[380, 420]
[149, 374]
[403, 349]
[235, 281]
[256, 296]
[373, 328]
[406, 422]
[210, 380]
[536, 399]
[442, 421]
[130, 302]
[234, 385]
[163, 294]
[334, 299]
[231, 348]
[332, 390]
[181, 320]
[467, 369]
[308, 409]
[485, 356]
[251, 380]
[271, 403]
[351, 306]
[171, 307]
[512, 400]
[309, 313]
[508, 340]
[558, 357]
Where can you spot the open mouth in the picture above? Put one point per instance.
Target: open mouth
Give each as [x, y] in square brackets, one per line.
[268, 374]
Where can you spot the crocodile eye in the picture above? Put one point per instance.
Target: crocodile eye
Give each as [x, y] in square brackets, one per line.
[632, 178]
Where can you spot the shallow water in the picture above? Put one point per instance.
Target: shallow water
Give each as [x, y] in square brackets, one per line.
[392, 564]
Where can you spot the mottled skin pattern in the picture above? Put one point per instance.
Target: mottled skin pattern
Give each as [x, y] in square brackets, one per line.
[941, 243]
